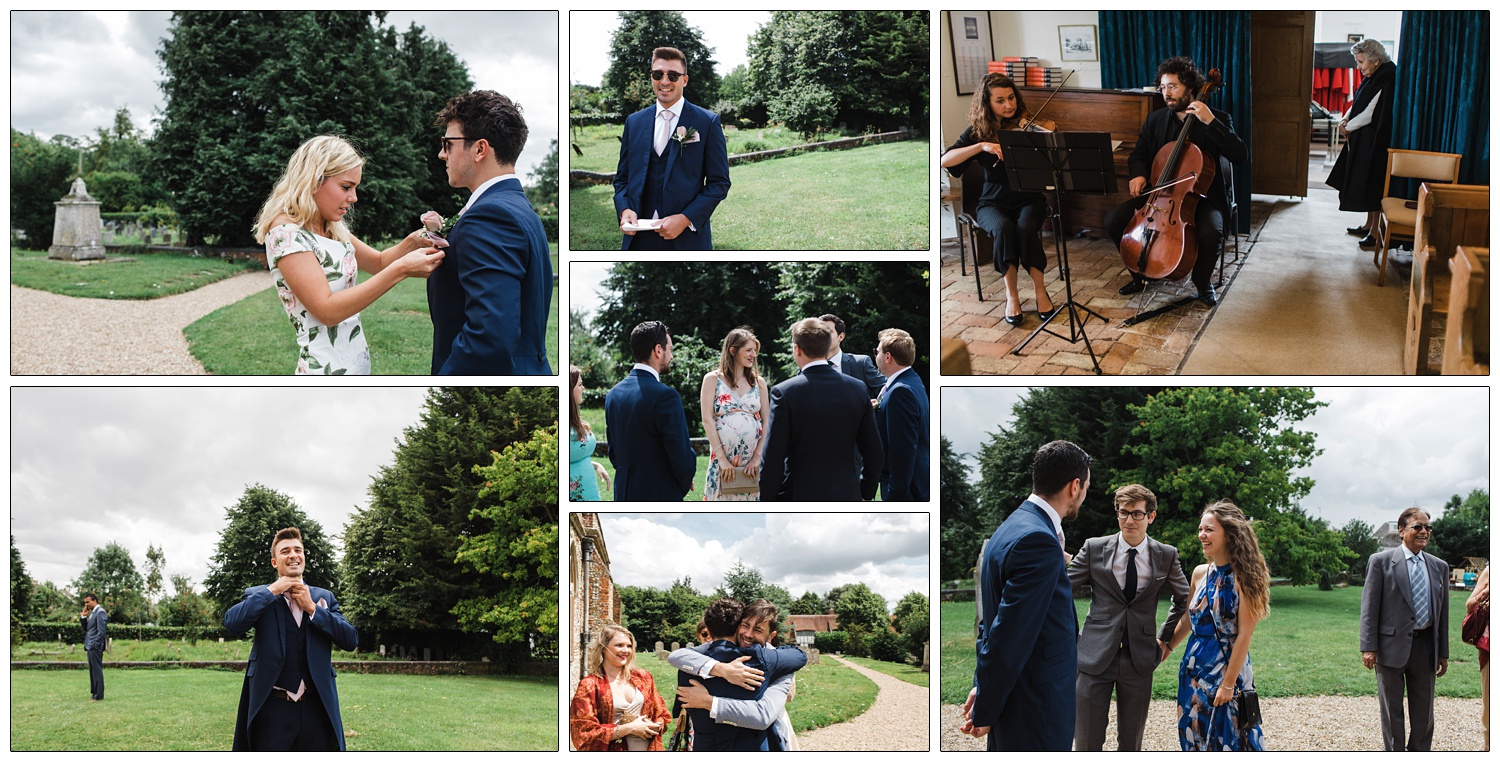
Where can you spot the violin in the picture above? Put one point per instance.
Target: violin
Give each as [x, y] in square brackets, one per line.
[1162, 240]
[1029, 123]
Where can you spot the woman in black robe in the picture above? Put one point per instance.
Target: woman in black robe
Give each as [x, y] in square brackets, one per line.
[1359, 174]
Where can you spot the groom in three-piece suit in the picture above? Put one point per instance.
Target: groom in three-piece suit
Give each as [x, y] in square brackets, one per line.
[290, 701]
[648, 434]
[491, 297]
[901, 418]
[1120, 646]
[95, 638]
[674, 165]
[1403, 631]
[1027, 647]
[821, 420]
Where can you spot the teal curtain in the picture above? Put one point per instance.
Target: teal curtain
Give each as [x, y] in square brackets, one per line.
[1133, 43]
[1443, 89]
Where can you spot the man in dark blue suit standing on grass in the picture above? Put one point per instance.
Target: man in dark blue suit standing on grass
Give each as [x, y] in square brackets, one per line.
[95, 638]
[290, 701]
[901, 418]
[491, 297]
[647, 430]
[674, 165]
[1027, 649]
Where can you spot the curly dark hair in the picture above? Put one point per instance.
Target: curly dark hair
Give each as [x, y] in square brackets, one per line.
[723, 618]
[1184, 69]
[490, 116]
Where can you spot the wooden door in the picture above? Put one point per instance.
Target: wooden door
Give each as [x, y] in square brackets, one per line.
[1281, 69]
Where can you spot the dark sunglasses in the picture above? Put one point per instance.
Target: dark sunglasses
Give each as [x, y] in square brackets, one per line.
[656, 75]
[1419, 527]
[447, 143]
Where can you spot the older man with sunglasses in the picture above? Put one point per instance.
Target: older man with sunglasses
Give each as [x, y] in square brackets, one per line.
[674, 166]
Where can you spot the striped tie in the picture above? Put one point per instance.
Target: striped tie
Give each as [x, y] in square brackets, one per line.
[1419, 592]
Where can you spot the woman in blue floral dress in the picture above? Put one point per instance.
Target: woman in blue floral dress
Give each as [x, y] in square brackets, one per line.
[584, 474]
[1230, 595]
[314, 258]
[734, 400]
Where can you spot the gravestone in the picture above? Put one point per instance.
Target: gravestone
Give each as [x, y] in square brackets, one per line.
[676, 645]
[77, 229]
[661, 655]
[813, 657]
[426, 654]
[658, 645]
[382, 649]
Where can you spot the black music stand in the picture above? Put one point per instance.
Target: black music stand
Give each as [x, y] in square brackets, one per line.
[1076, 162]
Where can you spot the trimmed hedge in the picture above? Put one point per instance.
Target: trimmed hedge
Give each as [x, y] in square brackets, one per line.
[70, 632]
[831, 642]
[549, 224]
[589, 120]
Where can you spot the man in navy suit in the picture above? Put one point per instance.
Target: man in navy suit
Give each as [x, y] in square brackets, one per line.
[674, 165]
[648, 435]
[858, 367]
[723, 621]
[491, 297]
[95, 638]
[901, 418]
[821, 422]
[290, 701]
[1023, 697]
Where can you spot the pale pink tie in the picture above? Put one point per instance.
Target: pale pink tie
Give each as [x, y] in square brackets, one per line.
[296, 610]
[663, 130]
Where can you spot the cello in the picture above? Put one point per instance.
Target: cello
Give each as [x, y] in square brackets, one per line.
[1162, 241]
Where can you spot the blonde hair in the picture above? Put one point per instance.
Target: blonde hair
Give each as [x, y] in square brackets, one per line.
[736, 339]
[606, 634]
[1251, 575]
[313, 163]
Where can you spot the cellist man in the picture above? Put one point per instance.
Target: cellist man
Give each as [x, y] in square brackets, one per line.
[1214, 134]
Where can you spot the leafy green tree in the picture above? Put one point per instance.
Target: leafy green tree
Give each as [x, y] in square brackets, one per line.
[859, 606]
[964, 526]
[1359, 537]
[50, 603]
[234, 113]
[186, 607]
[541, 190]
[111, 575]
[156, 560]
[912, 604]
[778, 595]
[517, 557]
[744, 583]
[809, 603]
[810, 110]
[400, 552]
[597, 361]
[242, 558]
[641, 32]
[645, 612]
[1463, 530]
[869, 296]
[40, 172]
[20, 585]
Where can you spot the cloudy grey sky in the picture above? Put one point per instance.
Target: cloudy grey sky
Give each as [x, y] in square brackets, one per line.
[799, 551]
[1384, 448]
[727, 33]
[71, 70]
[161, 465]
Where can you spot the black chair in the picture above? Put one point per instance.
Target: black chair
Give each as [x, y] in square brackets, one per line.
[1231, 225]
[968, 228]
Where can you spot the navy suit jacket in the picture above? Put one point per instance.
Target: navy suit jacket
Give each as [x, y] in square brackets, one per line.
[267, 612]
[697, 172]
[709, 735]
[862, 368]
[1027, 649]
[903, 424]
[820, 419]
[94, 632]
[648, 440]
[492, 295]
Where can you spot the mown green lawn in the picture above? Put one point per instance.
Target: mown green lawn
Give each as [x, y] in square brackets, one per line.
[158, 649]
[867, 198]
[827, 692]
[1308, 646]
[600, 143]
[254, 337]
[194, 710]
[911, 673]
[133, 276]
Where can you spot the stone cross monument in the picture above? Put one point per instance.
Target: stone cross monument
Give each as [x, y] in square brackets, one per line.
[77, 232]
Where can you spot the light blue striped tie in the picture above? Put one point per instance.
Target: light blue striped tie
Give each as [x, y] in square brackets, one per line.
[1419, 592]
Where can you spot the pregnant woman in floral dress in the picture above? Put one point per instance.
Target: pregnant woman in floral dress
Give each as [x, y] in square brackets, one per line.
[734, 400]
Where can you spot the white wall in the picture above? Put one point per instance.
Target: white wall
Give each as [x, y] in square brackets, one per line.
[1336, 26]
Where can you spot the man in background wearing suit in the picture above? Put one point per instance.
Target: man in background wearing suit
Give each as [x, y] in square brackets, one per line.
[1027, 648]
[821, 420]
[1403, 631]
[95, 638]
[858, 367]
[491, 297]
[648, 434]
[901, 418]
[290, 701]
[1120, 646]
[674, 165]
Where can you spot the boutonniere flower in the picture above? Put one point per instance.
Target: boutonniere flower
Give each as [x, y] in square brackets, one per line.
[685, 135]
[437, 228]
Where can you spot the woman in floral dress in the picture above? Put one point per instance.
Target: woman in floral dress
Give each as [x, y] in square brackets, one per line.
[314, 258]
[1230, 595]
[584, 474]
[735, 400]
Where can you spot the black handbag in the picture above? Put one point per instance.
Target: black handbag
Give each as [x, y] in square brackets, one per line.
[1248, 715]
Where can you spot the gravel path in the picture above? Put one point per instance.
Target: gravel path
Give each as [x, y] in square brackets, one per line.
[66, 335]
[897, 721]
[1301, 723]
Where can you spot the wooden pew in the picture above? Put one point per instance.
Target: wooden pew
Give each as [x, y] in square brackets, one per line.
[1447, 216]
[1466, 350]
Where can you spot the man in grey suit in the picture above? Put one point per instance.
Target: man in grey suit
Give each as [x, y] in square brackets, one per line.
[1120, 647]
[95, 638]
[1403, 631]
[858, 367]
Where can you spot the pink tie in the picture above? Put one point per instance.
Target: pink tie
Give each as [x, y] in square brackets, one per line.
[662, 131]
[296, 610]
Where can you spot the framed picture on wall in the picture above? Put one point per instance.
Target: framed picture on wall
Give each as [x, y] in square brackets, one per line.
[973, 48]
[1079, 42]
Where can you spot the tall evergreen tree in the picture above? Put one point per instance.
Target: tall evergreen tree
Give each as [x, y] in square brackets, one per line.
[965, 527]
[20, 585]
[639, 33]
[242, 558]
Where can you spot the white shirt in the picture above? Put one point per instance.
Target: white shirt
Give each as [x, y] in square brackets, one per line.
[647, 368]
[1363, 118]
[837, 360]
[676, 109]
[1142, 562]
[481, 189]
[814, 362]
[1051, 513]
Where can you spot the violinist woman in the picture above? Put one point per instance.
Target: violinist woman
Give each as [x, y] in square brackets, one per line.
[1359, 174]
[1014, 219]
[1213, 133]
